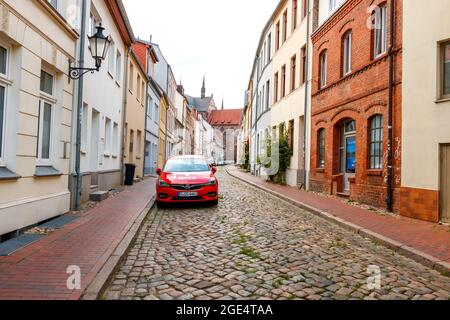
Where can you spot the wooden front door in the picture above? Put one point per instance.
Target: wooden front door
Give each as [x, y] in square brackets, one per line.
[445, 183]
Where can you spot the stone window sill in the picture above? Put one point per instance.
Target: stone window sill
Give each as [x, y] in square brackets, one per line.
[6, 174]
[442, 100]
[46, 171]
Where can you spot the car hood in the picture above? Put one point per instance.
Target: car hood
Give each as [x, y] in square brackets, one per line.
[187, 177]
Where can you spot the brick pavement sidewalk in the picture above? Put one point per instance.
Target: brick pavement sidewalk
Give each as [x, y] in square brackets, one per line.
[39, 271]
[425, 242]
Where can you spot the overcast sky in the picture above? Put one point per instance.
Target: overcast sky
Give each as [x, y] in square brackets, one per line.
[212, 37]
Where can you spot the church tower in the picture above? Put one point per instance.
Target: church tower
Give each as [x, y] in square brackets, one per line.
[203, 89]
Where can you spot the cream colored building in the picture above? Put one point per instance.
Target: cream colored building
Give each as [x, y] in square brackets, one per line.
[291, 82]
[426, 110]
[135, 115]
[104, 94]
[36, 104]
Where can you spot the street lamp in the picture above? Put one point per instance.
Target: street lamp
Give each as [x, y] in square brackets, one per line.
[98, 45]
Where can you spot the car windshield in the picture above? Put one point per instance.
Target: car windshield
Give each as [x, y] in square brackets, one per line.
[186, 165]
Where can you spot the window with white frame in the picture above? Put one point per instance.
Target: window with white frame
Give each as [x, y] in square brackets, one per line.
[376, 142]
[108, 136]
[3, 94]
[380, 30]
[46, 111]
[150, 107]
[156, 118]
[347, 53]
[138, 85]
[118, 66]
[111, 57]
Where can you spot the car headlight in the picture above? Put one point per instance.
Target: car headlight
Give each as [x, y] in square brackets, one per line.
[162, 183]
[211, 182]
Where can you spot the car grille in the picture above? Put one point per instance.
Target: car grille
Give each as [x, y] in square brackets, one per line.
[187, 187]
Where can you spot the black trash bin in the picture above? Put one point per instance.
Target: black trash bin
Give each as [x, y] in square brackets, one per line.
[130, 169]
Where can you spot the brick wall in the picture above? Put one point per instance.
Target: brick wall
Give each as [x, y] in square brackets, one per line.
[359, 96]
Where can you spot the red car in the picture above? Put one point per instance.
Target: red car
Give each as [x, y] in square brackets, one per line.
[187, 179]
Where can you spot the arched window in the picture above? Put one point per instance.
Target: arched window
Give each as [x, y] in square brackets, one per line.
[323, 69]
[376, 143]
[321, 148]
[347, 53]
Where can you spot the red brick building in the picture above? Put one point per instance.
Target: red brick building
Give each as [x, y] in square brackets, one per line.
[228, 122]
[351, 102]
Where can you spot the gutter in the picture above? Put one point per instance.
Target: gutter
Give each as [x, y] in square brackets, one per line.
[79, 176]
[306, 105]
[390, 189]
[124, 112]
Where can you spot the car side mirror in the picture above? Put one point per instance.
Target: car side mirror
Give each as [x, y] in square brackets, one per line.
[158, 171]
[213, 170]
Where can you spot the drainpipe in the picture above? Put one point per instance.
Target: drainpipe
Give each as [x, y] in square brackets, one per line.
[390, 198]
[79, 176]
[124, 113]
[306, 104]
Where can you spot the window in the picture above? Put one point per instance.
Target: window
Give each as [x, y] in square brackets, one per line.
[131, 81]
[293, 72]
[138, 143]
[291, 136]
[47, 83]
[277, 37]
[303, 66]
[84, 129]
[333, 5]
[150, 107]
[2, 117]
[138, 85]
[118, 66]
[275, 89]
[283, 81]
[323, 69]
[267, 94]
[285, 26]
[446, 70]
[347, 53]
[304, 8]
[380, 30]
[142, 92]
[376, 143]
[294, 14]
[108, 136]
[3, 92]
[156, 117]
[321, 148]
[45, 125]
[3, 61]
[45, 117]
[269, 48]
[111, 57]
[115, 142]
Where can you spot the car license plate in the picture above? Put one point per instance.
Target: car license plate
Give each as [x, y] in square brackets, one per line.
[187, 194]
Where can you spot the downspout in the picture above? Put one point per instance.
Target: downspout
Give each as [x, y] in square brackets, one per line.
[145, 124]
[306, 105]
[390, 198]
[124, 113]
[79, 176]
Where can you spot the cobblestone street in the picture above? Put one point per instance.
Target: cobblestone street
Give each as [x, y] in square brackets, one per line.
[254, 246]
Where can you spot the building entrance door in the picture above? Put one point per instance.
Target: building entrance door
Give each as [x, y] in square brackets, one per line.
[348, 152]
[445, 183]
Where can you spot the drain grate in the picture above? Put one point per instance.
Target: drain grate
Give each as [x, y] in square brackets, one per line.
[10, 246]
[59, 222]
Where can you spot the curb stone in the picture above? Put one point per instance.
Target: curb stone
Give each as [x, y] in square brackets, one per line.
[103, 277]
[414, 254]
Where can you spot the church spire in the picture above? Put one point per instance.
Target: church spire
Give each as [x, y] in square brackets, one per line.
[203, 88]
[222, 104]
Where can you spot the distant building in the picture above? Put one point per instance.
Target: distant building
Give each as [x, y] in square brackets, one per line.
[227, 122]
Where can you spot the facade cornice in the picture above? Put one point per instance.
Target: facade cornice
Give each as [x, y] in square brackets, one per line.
[58, 18]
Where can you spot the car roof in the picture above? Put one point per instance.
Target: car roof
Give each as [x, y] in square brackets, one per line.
[187, 157]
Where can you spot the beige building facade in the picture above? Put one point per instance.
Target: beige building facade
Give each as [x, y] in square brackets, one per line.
[425, 191]
[135, 115]
[36, 104]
